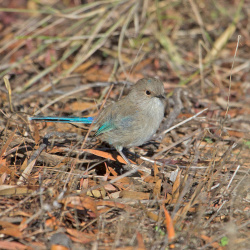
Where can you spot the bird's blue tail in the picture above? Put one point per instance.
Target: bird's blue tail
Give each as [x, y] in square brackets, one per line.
[85, 120]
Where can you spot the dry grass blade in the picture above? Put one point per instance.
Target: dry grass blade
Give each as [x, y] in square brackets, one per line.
[7, 85]
[121, 37]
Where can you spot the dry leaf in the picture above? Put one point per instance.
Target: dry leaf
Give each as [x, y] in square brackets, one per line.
[106, 155]
[81, 236]
[176, 187]
[125, 194]
[169, 225]
[84, 202]
[157, 189]
[13, 246]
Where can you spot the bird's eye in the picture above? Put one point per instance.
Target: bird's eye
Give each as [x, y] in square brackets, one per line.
[148, 92]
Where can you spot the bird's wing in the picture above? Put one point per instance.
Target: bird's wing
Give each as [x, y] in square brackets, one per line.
[105, 127]
[114, 117]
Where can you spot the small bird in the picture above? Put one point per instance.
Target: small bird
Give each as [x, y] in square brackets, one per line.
[129, 122]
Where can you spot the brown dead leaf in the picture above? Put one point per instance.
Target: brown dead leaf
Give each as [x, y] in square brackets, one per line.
[176, 187]
[95, 75]
[109, 187]
[149, 179]
[16, 190]
[82, 68]
[207, 239]
[80, 106]
[52, 223]
[156, 171]
[58, 247]
[125, 194]
[97, 193]
[142, 65]
[112, 171]
[169, 225]
[23, 224]
[12, 231]
[124, 180]
[140, 242]
[3, 167]
[6, 224]
[236, 134]
[81, 202]
[168, 200]
[106, 155]
[81, 237]
[157, 189]
[13, 246]
[152, 216]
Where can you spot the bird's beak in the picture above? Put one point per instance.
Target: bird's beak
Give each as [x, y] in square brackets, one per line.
[161, 97]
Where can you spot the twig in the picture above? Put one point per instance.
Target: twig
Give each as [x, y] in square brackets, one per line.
[185, 121]
[235, 172]
[178, 142]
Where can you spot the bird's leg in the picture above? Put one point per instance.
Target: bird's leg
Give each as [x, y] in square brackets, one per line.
[133, 168]
[119, 149]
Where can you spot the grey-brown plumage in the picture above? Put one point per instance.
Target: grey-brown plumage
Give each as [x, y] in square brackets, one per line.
[133, 120]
